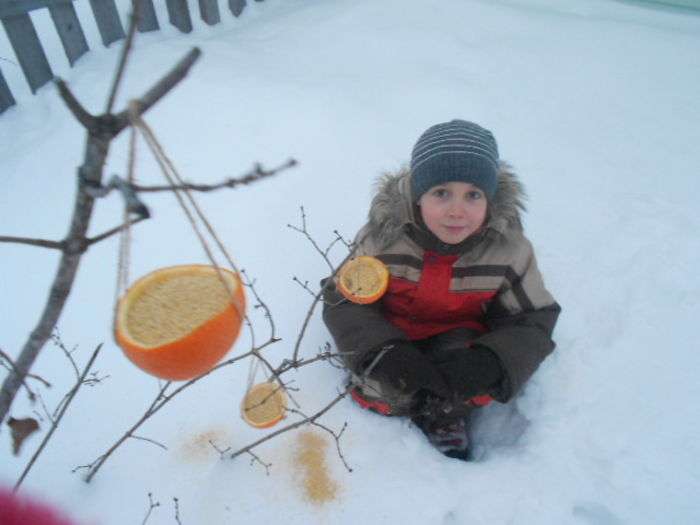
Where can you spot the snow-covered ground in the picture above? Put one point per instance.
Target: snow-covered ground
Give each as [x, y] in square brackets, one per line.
[595, 103]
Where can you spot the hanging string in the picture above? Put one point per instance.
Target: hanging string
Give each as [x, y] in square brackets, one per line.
[124, 257]
[174, 179]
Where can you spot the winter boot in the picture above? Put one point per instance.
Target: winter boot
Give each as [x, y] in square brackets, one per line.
[449, 437]
[446, 425]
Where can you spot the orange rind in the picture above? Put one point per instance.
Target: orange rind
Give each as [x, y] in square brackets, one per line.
[264, 405]
[363, 280]
[177, 323]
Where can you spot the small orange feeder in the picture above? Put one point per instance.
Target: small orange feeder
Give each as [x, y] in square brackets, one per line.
[264, 405]
[363, 280]
[176, 323]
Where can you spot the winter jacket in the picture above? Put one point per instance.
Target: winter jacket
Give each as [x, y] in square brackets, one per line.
[488, 284]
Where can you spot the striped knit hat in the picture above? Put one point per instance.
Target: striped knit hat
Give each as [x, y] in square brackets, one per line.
[454, 151]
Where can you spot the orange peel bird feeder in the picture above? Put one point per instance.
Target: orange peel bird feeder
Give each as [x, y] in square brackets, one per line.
[363, 280]
[177, 323]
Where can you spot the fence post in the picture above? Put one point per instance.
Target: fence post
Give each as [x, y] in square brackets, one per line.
[209, 10]
[6, 98]
[24, 40]
[145, 16]
[68, 27]
[179, 15]
[108, 22]
[236, 6]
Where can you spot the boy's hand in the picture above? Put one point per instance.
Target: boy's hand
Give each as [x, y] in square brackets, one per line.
[472, 371]
[406, 369]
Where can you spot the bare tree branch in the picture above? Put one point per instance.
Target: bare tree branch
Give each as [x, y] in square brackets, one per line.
[159, 402]
[149, 440]
[328, 281]
[305, 232]
[158, 91]
[124, 56]
[304, 285]
[310, 312]
[56, 421]
[222, 452]
[348, 244]
[13, 370]
[113, 231]
[256, 174]
[336, 437]
[100, 132]
[88, 121]
[256, 459]
[151, 505]
[56, 339]
[42, 243]
[287, 364]
[177, 511]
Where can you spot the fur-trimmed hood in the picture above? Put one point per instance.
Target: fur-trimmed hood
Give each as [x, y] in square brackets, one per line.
[392, 207]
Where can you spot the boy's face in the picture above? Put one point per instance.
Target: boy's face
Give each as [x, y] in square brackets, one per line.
[453, 211]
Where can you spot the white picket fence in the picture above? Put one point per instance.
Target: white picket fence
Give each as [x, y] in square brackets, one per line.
[23, 37]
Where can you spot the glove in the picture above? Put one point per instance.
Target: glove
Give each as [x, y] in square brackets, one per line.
[472, 371]
[407, 370]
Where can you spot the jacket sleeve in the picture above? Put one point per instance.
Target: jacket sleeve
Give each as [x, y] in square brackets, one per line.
[521, 319]
[358, 330]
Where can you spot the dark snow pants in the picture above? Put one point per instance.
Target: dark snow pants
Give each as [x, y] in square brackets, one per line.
[384, 399]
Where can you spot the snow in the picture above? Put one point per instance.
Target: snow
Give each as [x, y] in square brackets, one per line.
[594, 103]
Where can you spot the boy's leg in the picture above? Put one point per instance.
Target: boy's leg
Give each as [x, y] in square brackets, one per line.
[446, 422]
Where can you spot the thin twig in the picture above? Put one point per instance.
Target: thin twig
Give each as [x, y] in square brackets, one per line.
[222, 452]
[304, 285]
[287, 365]
[348, 244]
[177, 511]
[352, 248]
[304, 231]
[158, 403]
[151, 505]
[149, 440]
[41, 243]
[311, 309]
[124, 56]
[113, 231]
[13, 370]
[256, 459]
[55, 422]
[56, 339]
[47, 413]
[336, 437]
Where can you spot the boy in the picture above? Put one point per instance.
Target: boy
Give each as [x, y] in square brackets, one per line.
[466, 318]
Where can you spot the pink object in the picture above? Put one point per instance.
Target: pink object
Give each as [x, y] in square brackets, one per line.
[20, 510]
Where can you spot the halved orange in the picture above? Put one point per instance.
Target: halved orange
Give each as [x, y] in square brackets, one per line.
[176, 323]
[363, 280]
[264, 405]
